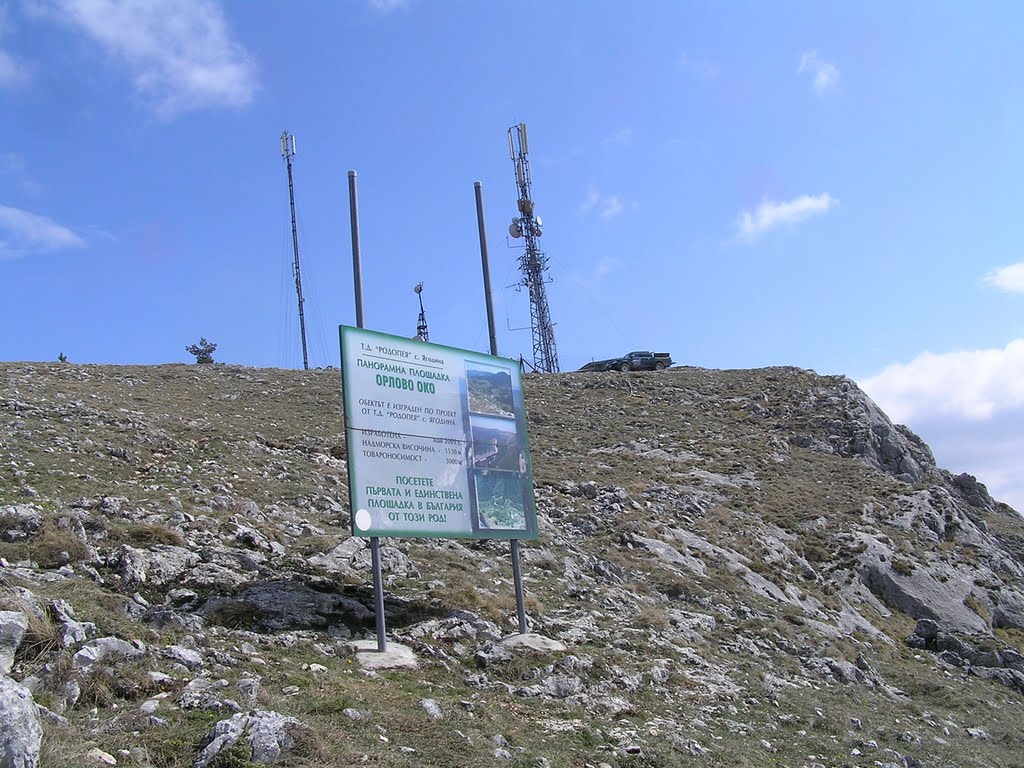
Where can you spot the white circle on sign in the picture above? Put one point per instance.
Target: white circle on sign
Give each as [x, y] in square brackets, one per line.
[363, 520]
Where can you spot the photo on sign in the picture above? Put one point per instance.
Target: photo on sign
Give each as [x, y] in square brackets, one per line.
[499, 500]
[490, 390]
[496, 444]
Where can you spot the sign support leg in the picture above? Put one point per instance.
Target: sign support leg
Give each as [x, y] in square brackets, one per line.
[378, 595]
[517, 574]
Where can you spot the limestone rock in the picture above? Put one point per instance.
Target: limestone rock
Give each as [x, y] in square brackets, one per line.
[936, 593]
[460, 625]
[531, 641]
[99, 649]
[1009, 612]
[396, 656]
[341, 559]
[189, 657]
[205, 694]
[268, 733]
[19, 521]
[975, 493]
[22, 733]
[1005, 665]
[432, 708]
[160, 564]
[97, 756]
[13, 625]
[70, 629]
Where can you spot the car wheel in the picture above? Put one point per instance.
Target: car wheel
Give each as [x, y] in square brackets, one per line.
[624, 367]
[659, 366]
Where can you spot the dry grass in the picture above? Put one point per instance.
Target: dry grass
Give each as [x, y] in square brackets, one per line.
[52, 546]
[243, 434]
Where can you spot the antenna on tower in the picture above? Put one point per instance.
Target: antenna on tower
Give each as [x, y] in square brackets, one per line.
[421, 323]
[288, 152]
[534, 262]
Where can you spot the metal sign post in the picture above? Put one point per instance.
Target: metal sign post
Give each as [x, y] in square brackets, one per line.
[517, 573]
[357, 275]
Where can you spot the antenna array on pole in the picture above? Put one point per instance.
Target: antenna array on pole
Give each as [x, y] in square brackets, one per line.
[534, 262]
[421, 323]
[288, 152]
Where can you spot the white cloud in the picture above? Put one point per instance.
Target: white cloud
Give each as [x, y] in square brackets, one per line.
[611, 207]
[823, 74]
[968, 406]
[604, 266]
[11, 162]
[586, 282]
[23, 233]
[608, 206]
[1009, 278]
[11, 72]
[592, 199]
[770, 214]
[179, 52]
[972, 385]
[387, 6]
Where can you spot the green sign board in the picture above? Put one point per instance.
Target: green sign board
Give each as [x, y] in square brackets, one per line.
[436, 440]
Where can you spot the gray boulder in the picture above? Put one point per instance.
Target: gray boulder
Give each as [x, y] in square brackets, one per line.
[205, 694]
[268, 733]
[161, 564]
[19, 521]
[936, 592]
[70, 629]
[284, 605]
[97, 650]
[22, 734]
[974, 492]
[864, 432]
[1009, 613]
[13, 626]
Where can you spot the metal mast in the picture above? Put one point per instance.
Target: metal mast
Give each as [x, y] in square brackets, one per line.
[288, 152]
[421, 323]
[534, 262]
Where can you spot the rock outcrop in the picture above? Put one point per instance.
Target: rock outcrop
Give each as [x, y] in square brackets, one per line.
[22, 733]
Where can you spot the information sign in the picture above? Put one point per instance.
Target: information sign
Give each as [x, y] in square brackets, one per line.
[436, 440]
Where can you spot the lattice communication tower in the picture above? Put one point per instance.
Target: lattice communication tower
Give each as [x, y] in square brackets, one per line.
[422, 332]
[534, 262]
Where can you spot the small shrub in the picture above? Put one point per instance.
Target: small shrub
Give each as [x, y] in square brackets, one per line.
[652, 617]
[41, 640]
[102, 687]
[203, 351]
[238, 755]
[903, 566]
[52, 546]
[235, 614]
[148, 534]
[978, 607]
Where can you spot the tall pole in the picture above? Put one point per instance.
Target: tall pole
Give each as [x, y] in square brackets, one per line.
[378, 580]
[517, 572]
[357, 271]
[288, 152]
[479, 188]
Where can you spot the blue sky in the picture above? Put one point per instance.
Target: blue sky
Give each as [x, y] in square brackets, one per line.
[832, 186]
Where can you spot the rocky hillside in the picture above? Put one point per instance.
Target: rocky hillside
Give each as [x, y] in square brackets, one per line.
[735, 568]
